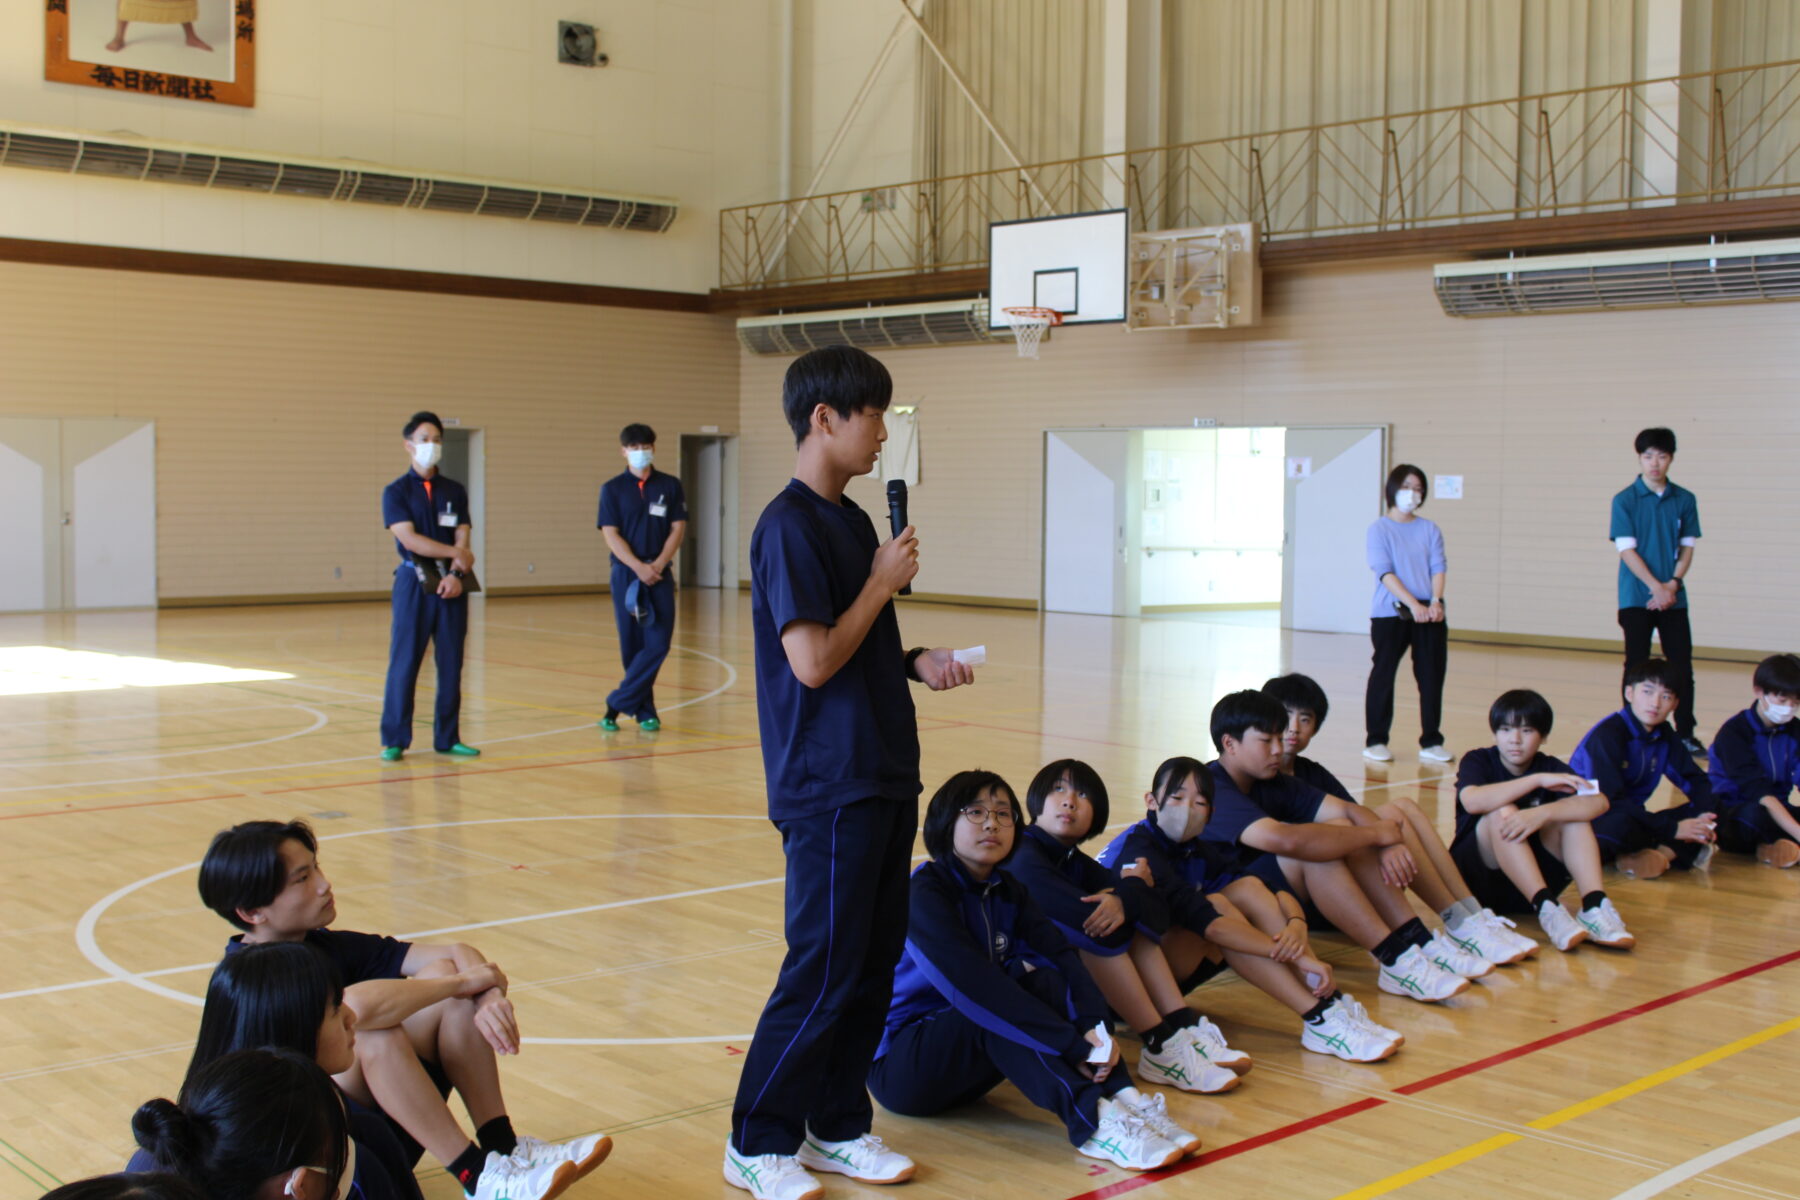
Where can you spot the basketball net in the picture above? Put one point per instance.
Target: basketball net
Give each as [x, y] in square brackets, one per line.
[1029, 325]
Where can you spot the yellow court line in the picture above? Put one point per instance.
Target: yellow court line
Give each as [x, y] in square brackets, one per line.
[1456, 1158]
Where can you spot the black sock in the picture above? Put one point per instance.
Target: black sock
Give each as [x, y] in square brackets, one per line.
[1544, 896]
[466, 1169]
[1316, 1013]
[1156, 1035]
[612, 714]
[1415, 931]
[497, 1136]
[1592, 899]
[1182, 1018]
[1391, 947]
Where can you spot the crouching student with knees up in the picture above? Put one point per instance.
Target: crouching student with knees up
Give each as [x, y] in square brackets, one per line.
[989, 990]
[1753, 765]
[1629, 754]
[1217, 916]
[1524, 829]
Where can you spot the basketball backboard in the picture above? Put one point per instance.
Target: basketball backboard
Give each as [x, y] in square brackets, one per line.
[1074, 265]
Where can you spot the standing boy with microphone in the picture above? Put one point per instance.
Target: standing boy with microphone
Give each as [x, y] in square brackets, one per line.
[841, 753]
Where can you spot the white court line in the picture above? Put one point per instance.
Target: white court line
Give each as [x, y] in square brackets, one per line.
[1707, 1161]
[320, 720]
[680, 1041]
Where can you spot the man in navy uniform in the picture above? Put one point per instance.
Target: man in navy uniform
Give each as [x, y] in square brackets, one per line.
[643, 517]
[422, 508]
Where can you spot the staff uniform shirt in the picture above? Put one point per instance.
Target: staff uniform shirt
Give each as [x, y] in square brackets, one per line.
[437, 507]
[1484, 766]
[1657, 527]
[1284, 798]
[359, 956]
[1043, 864]
[1411, 550]
[855, 737]
[1629, 761]
[642, 510]
[1314, 774]
[1184, 872]
[1751, 759]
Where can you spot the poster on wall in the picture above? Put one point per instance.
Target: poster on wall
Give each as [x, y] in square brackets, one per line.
[201, 50]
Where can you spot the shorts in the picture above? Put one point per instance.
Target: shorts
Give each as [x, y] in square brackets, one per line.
[1490, 885]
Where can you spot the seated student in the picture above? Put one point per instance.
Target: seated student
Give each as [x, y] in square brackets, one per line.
[1471, 927]
[1754, 763]
[1522, 831]
[253, 1125]
[1629, 753]
[987, 990]
[439, 1014]
[131, 1185]
[1203, 892]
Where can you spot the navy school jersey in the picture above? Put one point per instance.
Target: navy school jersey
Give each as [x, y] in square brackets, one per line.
[1314, 774]
[1284, 798]
[359, 956]
[1484, 766]
[435, 506]
[967, 945]
[1750, 759]
[1630, 761]
[1184, 872]
[1044, 866]
[643, 511]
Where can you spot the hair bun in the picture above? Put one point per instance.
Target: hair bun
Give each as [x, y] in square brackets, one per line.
[165, 1133]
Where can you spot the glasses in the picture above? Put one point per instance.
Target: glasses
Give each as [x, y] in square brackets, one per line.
[976, 815]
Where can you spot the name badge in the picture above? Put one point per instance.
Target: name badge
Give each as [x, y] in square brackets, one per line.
[659, 510]
[447, 520]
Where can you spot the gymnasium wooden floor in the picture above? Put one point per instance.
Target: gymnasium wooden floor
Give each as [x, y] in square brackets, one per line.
[628, 884]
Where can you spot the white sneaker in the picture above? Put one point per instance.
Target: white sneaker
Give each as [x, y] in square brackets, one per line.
[1436, 754]
[585, 1152]
[771, 1176]
[1126, 1139]
[1182, 1065]
[865, 1158]
[1209, 1040]
[504, 1177]
[1155, 1114]
[1361, 1016]
[1489, 935]
[1605, 926]
[1338, 1032]
[1445, 954]
[1415, 977]
[1564, 931]
[1378, 754]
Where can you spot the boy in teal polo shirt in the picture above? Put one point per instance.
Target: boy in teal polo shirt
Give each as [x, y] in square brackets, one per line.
[1655, 524]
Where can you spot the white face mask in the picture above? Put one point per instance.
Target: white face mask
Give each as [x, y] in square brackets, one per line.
[1406, 499]
[426, 454]
[1777, 714]
[640, 459]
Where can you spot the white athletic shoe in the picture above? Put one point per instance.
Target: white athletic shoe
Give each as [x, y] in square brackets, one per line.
[1209, 1040]
[1183, 1065]
[585, 1152]
[1436, 754]
[1126, 1139]
[1361, 1016]
[1417, 978]
[504, 1177]
[1489, 935]
[771, 1176]
[1564, 931]
[1155, 1114]
[1378, 754]
[1445, 954]
[1338, 1032]
[865, 1159]
[1605, 926]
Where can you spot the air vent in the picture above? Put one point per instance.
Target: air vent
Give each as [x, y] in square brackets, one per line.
[47, 150]
[951, 323]
[1666, 277]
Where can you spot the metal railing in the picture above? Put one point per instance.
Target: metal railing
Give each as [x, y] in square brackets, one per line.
[1723, 135]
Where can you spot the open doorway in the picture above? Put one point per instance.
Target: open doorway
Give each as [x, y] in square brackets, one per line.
[708, 555]
[1212, 520]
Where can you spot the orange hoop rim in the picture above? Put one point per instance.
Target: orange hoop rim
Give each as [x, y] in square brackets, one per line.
[1031, 311]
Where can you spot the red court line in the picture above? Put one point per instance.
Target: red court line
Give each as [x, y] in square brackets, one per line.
[64, 812]
[1233, 1149]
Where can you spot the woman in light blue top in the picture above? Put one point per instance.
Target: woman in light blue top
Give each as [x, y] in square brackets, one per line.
[1406, 554]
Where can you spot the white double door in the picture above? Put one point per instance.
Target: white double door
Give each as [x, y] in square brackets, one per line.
[77, 513]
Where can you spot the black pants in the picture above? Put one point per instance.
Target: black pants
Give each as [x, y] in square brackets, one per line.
[847, 900]
[1429, 642]
[1671, 627]
[1625, 828]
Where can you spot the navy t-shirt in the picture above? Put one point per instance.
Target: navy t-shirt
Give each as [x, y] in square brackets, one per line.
[359, 956]
[1314, 774]
[1484, 766]
[856, 737]
[642, 512]
[435, 512]
[1284, 798]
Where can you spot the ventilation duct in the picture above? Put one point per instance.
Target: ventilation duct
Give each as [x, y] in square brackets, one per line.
[153, 162]
[949, 323]
[1664, 277]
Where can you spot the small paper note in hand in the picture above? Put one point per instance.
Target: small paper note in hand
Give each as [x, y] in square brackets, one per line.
[1589, 787]
[974, 656]
[1103, 1051]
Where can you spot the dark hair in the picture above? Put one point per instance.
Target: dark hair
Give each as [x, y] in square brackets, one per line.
[1656, 439]
[1298, 691]
[842, 378]
[1521, 706]
[269, 995]
[127, 1185]
[243, 867]
[1649, 670]
[1241, 711]
[1780, 674]
[958, 792]
[1398, 476]
[422, 418]
[635, 434]
[245, 1118]
[1083, 778]
[1176, 771]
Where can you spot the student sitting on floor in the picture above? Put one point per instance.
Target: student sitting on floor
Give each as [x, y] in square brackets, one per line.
[1629, 754]
[1753, 765]
[1523, 829]
[988, 989]
[131, 1185]
[1195, 879]
[441, 1015]
[1469, 926]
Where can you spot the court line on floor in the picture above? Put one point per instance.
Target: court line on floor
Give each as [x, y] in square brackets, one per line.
[1703, 1163]
[320, 720]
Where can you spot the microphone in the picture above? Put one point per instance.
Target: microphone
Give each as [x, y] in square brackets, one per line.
[897, 515]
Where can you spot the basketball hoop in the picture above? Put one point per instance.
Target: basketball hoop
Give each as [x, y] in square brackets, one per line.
[1029, 324]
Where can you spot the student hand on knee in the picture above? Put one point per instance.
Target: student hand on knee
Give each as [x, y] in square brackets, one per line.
[1515, 824]
[496, 1022]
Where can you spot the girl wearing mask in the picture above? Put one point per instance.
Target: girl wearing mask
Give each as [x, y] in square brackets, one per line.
[1406, 554]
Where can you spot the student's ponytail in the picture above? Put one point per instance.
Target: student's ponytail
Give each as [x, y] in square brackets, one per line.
[169, 1137]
